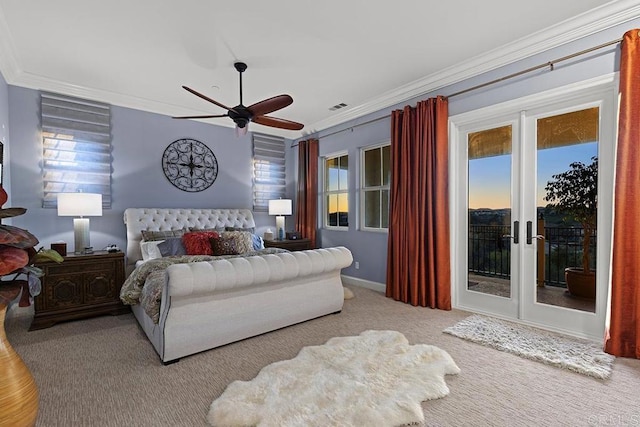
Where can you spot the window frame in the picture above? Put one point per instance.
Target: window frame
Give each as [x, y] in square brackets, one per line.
[326, 192]
[364, 188]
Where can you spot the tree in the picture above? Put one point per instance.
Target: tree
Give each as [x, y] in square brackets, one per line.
[574, 194]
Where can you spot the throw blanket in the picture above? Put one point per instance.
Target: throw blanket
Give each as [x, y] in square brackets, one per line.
[144, 285]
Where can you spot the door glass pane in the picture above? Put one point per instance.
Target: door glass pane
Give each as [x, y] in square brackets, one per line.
[490, 211]
[566, 187]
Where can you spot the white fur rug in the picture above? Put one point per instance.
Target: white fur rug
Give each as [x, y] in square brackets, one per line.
[582, 356]
[374, 379]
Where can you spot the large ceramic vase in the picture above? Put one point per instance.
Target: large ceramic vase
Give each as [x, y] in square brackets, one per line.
[18, 391]
[579, 283]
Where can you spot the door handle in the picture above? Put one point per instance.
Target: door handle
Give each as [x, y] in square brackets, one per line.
[530, 236]
[516, 233]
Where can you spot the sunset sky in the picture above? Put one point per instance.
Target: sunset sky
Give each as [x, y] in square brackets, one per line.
[489, 176]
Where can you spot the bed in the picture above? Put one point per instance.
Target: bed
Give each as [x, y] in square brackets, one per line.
[203, 301]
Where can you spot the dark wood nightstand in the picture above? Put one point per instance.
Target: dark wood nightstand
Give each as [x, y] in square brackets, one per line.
[81, 286]
[290, 245]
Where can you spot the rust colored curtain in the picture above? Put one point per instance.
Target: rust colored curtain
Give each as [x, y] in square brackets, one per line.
[624, 330]
[307, 198]
[418, 258]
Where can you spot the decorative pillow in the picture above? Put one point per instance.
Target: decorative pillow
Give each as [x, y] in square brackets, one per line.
[249, 229]
[150, 250]
[244, 241]
[172, 246]
[224, 245]
[197, 243]
[258, 243]
[150, 235]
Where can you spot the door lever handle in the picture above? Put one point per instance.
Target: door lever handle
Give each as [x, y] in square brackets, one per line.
[530, 236]
[516, 233]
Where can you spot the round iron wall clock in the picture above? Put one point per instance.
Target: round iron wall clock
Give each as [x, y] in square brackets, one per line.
[189, 165]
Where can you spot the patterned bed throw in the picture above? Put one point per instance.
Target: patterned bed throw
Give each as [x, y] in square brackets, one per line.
[144, 285]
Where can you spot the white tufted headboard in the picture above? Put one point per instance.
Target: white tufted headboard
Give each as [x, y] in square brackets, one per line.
[137, 219]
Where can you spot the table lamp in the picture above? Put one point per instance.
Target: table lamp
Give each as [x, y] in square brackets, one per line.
[80, 205]
[280, 207]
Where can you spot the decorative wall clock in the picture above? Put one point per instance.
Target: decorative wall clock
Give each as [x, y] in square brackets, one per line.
[189, 165]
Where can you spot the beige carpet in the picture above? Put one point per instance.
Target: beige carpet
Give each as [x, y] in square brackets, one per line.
[104, 372]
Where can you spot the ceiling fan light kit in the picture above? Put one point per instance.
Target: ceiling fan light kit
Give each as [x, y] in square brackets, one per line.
[257, 113]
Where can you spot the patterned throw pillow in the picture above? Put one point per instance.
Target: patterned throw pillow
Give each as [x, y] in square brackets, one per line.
[249, 229]
[197, 242]
[244, 241]
[149, 235]
[224, 245]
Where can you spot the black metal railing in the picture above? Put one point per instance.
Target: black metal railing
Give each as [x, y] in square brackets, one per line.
[490, 252]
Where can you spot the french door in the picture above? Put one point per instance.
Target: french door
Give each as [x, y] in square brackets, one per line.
[528, 178]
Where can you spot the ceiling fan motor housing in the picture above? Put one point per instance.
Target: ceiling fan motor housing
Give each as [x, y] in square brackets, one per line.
[240, 115]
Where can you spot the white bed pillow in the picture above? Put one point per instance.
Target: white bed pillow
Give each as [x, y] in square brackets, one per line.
[150, 249]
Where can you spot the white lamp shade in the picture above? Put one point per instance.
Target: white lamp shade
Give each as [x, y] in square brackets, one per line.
[79, 204]
[280, 207]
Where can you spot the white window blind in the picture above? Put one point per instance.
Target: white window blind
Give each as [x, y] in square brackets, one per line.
[268, 170]
[76, 141]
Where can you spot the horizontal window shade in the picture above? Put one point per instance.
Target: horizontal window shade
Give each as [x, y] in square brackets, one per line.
[76, 143]
[269, 179]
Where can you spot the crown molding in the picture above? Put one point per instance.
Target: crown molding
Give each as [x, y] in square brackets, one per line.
[586, 24]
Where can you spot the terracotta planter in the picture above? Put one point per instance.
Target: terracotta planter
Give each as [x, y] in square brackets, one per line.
[18, 391]
[579, 283]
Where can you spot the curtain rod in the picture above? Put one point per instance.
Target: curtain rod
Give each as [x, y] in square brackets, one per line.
[549, 64]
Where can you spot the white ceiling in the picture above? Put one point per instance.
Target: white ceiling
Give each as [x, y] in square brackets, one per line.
[369, 55]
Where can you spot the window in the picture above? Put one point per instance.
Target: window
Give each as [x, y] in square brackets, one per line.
[376, 176]
[336, 189]
[268, 170]
[76, 144]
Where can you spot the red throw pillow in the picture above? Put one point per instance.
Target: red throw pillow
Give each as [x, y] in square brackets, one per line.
[197, 243]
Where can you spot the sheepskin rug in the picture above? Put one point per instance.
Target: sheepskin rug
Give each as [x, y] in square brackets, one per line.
[577, 355]
[374, 379]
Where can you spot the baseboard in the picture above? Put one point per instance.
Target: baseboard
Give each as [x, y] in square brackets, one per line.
[363, 283]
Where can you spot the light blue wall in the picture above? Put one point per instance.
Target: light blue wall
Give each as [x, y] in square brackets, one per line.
[139, 139]
[370, 248]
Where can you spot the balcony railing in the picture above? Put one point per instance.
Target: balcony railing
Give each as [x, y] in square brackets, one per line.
[490, 252]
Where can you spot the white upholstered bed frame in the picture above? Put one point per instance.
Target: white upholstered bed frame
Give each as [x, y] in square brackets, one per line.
[209, 304]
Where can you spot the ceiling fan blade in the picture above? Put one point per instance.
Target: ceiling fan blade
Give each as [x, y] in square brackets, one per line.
[201, 117]
[275, 122]
[270, 105]
[206, 98]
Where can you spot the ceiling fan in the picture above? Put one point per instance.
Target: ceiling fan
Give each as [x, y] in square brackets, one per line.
[242, 115]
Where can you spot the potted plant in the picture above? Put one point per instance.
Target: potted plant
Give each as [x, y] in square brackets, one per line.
[18, 394]
[574, 194]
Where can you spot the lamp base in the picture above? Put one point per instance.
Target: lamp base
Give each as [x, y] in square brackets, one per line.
[80, 235]
[279, 227]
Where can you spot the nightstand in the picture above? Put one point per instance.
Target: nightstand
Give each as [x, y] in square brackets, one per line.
[81, 286]
[290, 245]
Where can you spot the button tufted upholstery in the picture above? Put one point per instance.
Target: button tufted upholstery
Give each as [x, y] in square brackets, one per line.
[227, 274]
[138, 219]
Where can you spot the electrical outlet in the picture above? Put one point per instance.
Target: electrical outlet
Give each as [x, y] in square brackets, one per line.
[357, 265]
